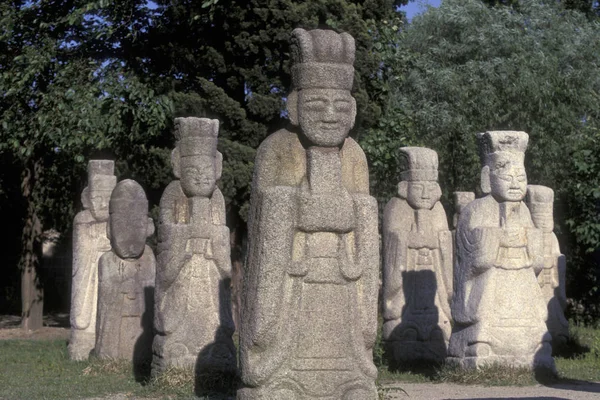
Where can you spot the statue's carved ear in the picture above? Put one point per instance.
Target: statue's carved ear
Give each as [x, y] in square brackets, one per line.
[150, 229]
[486, 186]
[218, 165]
[292, 107]
[85, 198]
[176, 162]
[403, 189]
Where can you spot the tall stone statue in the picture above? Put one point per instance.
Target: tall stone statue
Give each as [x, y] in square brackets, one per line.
[540, 200]
[417, 263]
[499, 310]
[309, 313]
[192, 299]
[126, 279]
[89, 244]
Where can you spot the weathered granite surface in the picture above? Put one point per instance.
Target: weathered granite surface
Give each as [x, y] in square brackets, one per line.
[540, 200]
[89, 244]
[309, 312]
[461, 199]
[499, 310]
[192, 301]
[126, 279]
[417, 263]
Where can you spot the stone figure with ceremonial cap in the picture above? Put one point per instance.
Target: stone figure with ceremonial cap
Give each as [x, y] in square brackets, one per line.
[417, 266]
[89, 244]
[126, 279]
[309, 313]
[552, 279]
[498, 309]
[193, 317]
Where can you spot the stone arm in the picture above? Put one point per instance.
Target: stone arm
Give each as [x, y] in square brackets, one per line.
[172, 238]
[110, 303]
[394, 261]
[221, 248]
[85, 267]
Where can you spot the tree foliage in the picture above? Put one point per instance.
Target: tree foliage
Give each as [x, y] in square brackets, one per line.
[466, 68]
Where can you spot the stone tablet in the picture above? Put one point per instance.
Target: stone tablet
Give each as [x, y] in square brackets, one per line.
[540, 200]
[126, 280]
[89, 244]
[309, 312]
[193, 318]
[499, 310]
[417, 264]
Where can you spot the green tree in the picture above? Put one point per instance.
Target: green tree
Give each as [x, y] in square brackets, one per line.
[465, 68]
[58, 107]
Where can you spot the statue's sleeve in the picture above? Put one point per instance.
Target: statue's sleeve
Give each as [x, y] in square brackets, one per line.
[446, 250]
[110, 304]
[221, 247]
[84, 272]
[171, 238]
[394, 261]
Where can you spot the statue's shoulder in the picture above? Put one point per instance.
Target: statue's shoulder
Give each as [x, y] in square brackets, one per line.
[279, 143]
[351, 149]
[397, 211]
[172, 190]
[84, 217]
[480, 210]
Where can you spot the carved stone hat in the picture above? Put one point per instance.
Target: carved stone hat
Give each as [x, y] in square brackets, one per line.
[101, 175]
[197, 136]
[418, 164]
[494, 143]
[322, 59]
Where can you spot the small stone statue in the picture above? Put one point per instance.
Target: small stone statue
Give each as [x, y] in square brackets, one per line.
[126, 279]
[309, 312]
[193, 317]
[417, 266]
[89, 244]
[540, 200]
[499, 310]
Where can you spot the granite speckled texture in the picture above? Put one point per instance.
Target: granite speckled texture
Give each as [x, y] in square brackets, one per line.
[417, 264]
[126, 279]
[192, 317]
[498, 309]
[540, 200]
[309, 312]
[90, 242]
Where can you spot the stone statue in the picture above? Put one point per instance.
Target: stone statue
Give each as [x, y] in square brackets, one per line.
[417, 263]
[309, 312]
[126, 279]
[540, 200]
[461, 199]
[498, 308]
[89, 244]
[193, 318]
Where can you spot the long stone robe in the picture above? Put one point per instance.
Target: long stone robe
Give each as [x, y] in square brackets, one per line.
[192, 302]
[126, 307]
[90, 242]
[498, 307]
[309, 313]
[417, 282]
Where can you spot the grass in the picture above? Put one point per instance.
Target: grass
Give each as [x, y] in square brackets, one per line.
[579, 360]
[41, 369]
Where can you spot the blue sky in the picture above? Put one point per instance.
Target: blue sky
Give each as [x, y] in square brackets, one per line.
[418, 6]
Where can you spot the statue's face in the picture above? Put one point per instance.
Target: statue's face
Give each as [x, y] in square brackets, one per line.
[128, 230]
[422, 195]
[99, 199]
[198, 176]
[508, 179]
[326, 115]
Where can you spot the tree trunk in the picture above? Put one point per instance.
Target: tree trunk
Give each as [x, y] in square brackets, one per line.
[32, 291]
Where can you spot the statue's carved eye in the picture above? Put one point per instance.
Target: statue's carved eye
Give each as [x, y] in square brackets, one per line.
[522, 178]
[504, 177]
